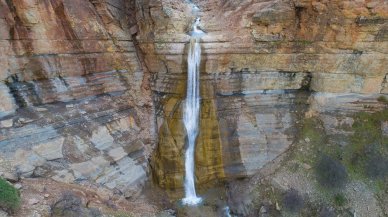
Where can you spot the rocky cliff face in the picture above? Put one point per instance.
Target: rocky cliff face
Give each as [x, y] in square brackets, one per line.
[75, 104]
[336, 41]
[264, 66]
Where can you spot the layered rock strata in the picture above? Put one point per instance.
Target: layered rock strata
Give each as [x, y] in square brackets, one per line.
[240, 130]
[265, 66]
[246, 124]
[74, 101]
[343, 43]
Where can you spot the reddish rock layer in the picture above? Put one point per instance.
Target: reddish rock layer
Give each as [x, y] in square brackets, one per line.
[75, 102]
[343, 44]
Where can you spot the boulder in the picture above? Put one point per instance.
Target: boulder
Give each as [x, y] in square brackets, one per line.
[90, 169]
[63, 176]
[50, 150]
[6, 123]
[117, 153]
[26, 162]
[102, 139]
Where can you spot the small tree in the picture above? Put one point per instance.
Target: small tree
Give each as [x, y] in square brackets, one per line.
[376, 166]
[292, 200]
[68, 205]
[331, 173]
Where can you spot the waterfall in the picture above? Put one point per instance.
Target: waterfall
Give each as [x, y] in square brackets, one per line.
[191, 113]
[227, 212]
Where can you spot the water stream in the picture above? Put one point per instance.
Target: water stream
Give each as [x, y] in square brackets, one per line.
[191, 113]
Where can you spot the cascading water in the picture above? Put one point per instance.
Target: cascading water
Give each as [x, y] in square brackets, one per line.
[191, 112]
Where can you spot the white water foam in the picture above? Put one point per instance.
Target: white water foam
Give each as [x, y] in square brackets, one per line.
[227, 211]
[191, 116]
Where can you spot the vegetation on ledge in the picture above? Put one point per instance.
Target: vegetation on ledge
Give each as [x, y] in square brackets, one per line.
[9, 197]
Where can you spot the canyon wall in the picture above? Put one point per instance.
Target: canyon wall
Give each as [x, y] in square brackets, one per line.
[342, 43]
[266, 65]
[92, 91]
[75, 101]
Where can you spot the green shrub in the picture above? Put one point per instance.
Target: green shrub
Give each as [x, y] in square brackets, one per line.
[331, 173]
[303, 42]
[9, 196]
[376, 166]
[339, 199]
[293, 201]
[382, 99]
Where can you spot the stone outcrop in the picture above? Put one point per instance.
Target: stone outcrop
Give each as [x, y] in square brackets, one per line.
[74, 104]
